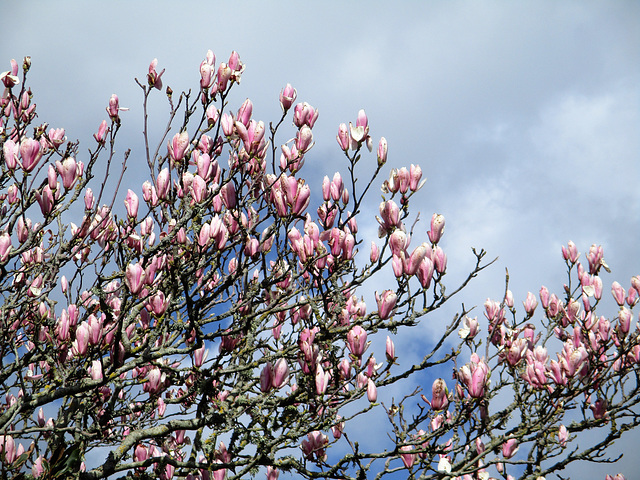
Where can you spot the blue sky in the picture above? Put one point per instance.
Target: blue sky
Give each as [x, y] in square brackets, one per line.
[524, 116]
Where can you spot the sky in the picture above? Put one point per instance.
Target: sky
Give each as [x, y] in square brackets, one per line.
[524, 116]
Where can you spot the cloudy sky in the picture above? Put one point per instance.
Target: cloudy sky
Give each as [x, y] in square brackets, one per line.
[524, 116]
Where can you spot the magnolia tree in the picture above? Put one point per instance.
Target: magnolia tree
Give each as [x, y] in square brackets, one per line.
[217, 328]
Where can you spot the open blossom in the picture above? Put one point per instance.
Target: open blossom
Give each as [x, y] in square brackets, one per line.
[114, 107]
[101, 134]
[570, 252]
[154, 78]
[304, 114]
[315, 445]
[10, 78]
[475, 376]
[439, 398]
[287, 97]
[357, 340]
[469, 328]
[69, 170]
[135, 277]
[386, 303]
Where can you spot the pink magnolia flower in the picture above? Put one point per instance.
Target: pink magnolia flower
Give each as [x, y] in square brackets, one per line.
[322, 380]
[360, 132]
[570, 252]
[207, 70]
[403, 180]
[375, 253]
[224, 74]
[599, 409]
[406, 456]
[88, 199]
[338, 428]
[140, 453]
[69, 170]
[315, 445]
[390, 217]
[81, 342]
[357, 341]
[414, 262]
[228, 194]
[10, 78]
[382, 151]
[287, 97]
[178, 146]
[131, 203]
[530, 304]
[96, 370]
[199, 356]
[439, 259]
[31, 153]
[516, 351]
[38, 468]
[372, 391]
[8, 448]
[535, 371]
[154, 78]
[475, 376]
[272, 473]
[244, 112]
[304, 114]
[5, 246]
[163, 183]
[343, 137]
[155, 380]
[469, 328]
[398, 242]
[304, 139]
[390, 349]
[302, 200]
[135, 277]
[618, 293]
[114, 107]
[439, 397]
[386, 303]
[101, 135]
[509, 448]
[624, 320]
[266, 378]
[344, 367]
[45, 200]
[415, 175]
[11, 152]
[563, 435]
[280, 373]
